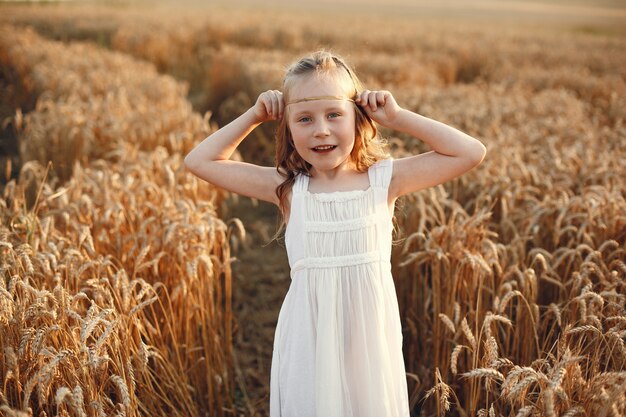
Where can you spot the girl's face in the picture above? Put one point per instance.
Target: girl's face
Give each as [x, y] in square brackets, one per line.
[323, 130]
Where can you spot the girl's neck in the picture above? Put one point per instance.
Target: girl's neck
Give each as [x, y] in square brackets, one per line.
[328, 175]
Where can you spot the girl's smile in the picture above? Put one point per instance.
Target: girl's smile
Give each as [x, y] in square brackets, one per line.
[324, 148]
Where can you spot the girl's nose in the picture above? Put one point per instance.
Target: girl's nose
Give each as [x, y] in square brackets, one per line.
[321, 129]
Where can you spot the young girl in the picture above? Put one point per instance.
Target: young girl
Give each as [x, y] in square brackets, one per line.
[338, 343]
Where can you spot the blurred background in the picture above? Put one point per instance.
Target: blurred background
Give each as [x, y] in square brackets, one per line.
[131, 287]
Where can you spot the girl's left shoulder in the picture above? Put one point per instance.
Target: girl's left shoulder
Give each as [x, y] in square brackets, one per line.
[381, 172]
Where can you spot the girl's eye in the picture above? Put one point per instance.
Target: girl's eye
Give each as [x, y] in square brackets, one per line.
[333, 115]
[304, 119]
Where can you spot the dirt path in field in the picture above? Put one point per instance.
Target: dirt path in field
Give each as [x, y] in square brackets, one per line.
[260, 282]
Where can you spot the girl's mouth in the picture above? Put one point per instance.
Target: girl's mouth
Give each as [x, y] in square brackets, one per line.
[324, 148]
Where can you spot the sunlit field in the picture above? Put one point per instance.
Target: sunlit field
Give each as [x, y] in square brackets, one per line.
[130, 287]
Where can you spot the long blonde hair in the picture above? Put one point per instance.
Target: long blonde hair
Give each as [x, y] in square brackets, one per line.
[369, 147]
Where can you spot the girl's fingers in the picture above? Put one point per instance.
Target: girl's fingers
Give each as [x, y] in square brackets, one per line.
[271, 105]
[262, 104]
[267, 99]
[362, 98]
[381, 98]
[281, 104]
[274, 102]
[267, 105]
[372, 101]
[277, 104]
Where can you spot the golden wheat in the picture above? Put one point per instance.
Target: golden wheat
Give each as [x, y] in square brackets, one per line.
[524, 255]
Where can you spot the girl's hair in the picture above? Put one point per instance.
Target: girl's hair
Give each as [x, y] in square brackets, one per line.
[369, 147]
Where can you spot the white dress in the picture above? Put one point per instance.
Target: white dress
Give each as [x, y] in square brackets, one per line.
[338, 343]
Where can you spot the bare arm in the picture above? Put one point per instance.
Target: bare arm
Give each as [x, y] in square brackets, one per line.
[453, 154]
[210, 159]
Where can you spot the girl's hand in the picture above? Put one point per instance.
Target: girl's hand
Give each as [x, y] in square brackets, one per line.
[380, 106]
[269, 106]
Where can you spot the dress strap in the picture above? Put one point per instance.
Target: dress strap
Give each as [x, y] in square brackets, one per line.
[301, 183]
[380, 173]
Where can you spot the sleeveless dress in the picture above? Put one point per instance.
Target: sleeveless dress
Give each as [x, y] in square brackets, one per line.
[338, 344]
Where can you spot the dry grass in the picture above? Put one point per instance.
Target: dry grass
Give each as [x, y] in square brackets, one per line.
[511, 279]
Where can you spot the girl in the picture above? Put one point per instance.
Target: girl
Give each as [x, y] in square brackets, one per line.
[338, 343]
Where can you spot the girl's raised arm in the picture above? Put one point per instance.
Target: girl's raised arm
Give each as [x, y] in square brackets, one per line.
[453, 154]
[210, 159]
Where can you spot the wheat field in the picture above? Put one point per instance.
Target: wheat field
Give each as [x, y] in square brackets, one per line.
[129, 287]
